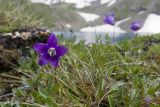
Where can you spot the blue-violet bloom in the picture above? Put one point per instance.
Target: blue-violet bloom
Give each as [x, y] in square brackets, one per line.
[135, 25]
[50, 52]
[147, 100]
[110, 18]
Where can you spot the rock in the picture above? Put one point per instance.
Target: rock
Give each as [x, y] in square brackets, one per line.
[17, 44]
[7, 58]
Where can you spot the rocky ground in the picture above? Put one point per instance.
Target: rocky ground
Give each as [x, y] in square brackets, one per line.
[17, 44]
[14, 46]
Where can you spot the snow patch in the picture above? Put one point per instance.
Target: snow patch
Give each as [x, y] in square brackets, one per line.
[68, 25]
[112, 2]
[105, 1]
[80, 3]
[141, 12]
[48, 2]
[103, 28]
[151, 25]
[88, 16]
[109, 2]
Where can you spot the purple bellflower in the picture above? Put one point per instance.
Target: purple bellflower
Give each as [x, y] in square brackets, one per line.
[135, 25]
[147, 100]
[110, 19]
[50, 52]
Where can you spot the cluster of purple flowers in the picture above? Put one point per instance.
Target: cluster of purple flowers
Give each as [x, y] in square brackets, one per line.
[110, 19]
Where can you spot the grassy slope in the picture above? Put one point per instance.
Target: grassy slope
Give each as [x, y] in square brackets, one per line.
[119, 75]
[19, 14]
[14, 14]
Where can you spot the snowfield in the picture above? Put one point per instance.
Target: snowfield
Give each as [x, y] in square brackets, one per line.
[105, 1]
[112, 2]
[78, 3]
[88, 16]
[151, 25]
[109, 2]
[103, 28]
[48, 2]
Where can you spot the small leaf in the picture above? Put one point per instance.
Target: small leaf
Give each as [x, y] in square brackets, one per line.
[111, 101]
[50, 102]
[42, 92]
[152, 90]
[116, 85]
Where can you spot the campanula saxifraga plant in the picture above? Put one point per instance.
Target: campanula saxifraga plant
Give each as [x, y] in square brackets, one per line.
[50, 52]
[110, 18]
[135, 25]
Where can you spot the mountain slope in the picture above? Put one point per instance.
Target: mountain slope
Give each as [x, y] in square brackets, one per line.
[135, 9]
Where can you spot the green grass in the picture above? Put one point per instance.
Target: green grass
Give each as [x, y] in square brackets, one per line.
[15, 14]
[18, 14]
[105, 75]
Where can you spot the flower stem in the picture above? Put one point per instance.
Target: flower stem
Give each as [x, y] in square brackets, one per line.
[114, 34]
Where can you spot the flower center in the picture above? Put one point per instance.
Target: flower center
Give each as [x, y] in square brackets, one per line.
[52, 52]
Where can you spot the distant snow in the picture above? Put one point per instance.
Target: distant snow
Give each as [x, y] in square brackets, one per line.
[106, 28]
[110, 2]
[68, 25]
[141, 12]
[48, 2]
[88, 16]
[105, 1]
[80, 3]
[151, 25]
[103, 28]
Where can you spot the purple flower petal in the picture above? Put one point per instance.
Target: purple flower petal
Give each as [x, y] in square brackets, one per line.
[61, 50]
[41, 48]
[44, 59]
[110, 19]
[46, 55]
[135, 25]
[147, 100]
[54, 61]
[52, 40]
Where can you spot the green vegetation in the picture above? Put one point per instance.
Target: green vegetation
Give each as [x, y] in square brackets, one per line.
[105, 75]
[124, 74]
[15, 14]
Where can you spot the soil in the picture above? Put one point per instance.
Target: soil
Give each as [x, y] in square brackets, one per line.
[7, 84]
